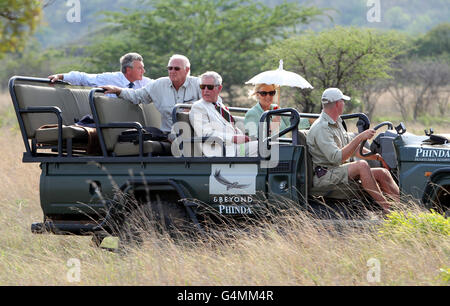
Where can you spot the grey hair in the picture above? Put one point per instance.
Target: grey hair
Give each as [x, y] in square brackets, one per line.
[212, 74]
[187, 63]
[128, 59]
[181, 57]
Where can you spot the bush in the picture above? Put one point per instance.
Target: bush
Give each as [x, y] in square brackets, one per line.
[403, 226]
[444, 275]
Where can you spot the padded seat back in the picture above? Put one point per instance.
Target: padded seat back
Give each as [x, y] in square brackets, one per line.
[114, 110]
[81, 97]
[192, 149]
[73, 103]
[152, 116]
[184, 117]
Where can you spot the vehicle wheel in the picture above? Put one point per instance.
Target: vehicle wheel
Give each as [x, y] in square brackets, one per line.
[154, 218]
[442, 201]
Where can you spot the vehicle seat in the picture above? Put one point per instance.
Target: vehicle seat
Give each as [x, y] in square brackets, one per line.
[42, 127]
[112, 111]
[189, 148]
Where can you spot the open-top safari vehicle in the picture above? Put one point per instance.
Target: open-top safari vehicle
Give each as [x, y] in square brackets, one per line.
[90, 174]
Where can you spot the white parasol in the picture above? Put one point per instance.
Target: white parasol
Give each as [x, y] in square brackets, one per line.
[280, 77]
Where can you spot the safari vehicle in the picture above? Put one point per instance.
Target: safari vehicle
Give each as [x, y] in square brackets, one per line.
[88, 191]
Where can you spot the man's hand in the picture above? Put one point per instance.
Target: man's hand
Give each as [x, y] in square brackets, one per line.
[56, 77]
[240, 138]
[367, 134]
[112, 89]
[352, 147]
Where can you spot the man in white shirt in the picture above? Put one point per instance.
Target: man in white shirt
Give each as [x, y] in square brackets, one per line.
[130, 76]
[210, 118]
[165, 92]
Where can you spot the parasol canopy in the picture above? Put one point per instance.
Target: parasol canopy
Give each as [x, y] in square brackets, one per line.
[280, 77]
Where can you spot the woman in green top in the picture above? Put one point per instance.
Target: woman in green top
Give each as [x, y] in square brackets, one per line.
[264, 94]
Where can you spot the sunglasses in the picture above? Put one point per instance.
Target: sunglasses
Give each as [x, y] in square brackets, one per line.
[210, 87]
[176, 68]
[265, 93]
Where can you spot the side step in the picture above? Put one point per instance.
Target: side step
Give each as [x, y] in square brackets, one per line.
[63, 228]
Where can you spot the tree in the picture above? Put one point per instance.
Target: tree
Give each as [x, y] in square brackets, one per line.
[227, 36]
[371, 91]
[347, 58]
[435, 42]
[421, 84]
[421, 76]
[18, 19]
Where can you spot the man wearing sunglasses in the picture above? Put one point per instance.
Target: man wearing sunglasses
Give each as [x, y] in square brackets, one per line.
[210, 118]
[165, 92]
[332, 149]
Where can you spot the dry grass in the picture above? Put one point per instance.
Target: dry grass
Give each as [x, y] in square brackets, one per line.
[302, 253]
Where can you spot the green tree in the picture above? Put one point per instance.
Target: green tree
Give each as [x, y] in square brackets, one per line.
[18, 19]
[227, 36]
[347, 58]
[435, 42]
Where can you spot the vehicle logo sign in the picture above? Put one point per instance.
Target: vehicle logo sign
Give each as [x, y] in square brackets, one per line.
[234, 179]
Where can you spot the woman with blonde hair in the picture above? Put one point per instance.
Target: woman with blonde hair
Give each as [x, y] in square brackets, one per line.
[264, 94]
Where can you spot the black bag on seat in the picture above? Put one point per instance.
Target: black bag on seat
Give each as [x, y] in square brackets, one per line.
[86, 120]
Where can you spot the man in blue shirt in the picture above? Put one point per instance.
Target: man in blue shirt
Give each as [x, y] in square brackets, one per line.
[130, 76]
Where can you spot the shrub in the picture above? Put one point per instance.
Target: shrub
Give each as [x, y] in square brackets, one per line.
[444, 275]
[405, 225]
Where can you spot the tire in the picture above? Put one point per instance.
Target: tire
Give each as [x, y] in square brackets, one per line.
[153, 219]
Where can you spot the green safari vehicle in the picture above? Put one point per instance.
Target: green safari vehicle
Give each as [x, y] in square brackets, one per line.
[93, 177]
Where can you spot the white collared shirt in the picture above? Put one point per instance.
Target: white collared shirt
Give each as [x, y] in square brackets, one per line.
[207, 121]
[103, 79]
[163, 94]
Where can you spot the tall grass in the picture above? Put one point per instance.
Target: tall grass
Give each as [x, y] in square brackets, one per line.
[292, 250]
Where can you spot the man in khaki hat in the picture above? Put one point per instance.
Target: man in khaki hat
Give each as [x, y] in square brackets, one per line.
[331, 148]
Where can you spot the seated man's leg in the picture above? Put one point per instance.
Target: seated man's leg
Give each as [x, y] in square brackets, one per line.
[386, 183]
[361, 169]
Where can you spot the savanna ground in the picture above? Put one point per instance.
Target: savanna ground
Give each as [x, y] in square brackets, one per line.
[302, 253]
